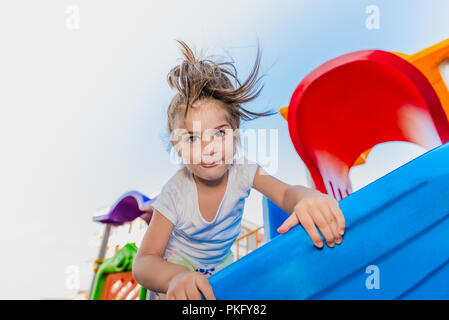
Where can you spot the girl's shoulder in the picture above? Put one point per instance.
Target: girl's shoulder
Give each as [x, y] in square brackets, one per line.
[177, 181]
[244, 162]
[245, 170]
[170, 200]
[246, 165]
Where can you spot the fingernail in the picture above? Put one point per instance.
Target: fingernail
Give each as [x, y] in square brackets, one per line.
[342, 231]
[319, 244]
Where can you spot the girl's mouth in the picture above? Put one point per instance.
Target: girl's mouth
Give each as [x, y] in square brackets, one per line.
[209, 165]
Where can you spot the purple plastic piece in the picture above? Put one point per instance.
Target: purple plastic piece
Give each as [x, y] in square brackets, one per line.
[128, 207]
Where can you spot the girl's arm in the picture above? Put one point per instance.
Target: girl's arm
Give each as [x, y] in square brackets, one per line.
[311, 208]
[151, 271]
[149, 268]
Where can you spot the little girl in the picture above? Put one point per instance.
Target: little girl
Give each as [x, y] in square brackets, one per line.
[197, 216]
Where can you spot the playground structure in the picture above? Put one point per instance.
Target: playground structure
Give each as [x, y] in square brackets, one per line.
[395, 225]
[113, 278]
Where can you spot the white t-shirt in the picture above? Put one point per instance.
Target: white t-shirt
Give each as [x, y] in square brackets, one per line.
[202, 243]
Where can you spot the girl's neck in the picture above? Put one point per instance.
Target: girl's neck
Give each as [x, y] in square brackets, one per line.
[210, 183]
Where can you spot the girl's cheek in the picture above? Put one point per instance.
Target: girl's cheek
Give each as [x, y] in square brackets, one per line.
[195, 153]
[228, 149]
[186, 152]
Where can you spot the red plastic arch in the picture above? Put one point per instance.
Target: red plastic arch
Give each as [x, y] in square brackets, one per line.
[354, 102]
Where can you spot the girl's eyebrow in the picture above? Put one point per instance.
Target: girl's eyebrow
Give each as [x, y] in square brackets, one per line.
[222, 125]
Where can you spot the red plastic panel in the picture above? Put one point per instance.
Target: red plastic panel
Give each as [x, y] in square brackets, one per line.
[354, 102]
[120, 286]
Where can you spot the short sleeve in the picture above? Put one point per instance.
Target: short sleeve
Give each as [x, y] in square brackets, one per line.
[252, 169]
[165, 203]
[246, 171]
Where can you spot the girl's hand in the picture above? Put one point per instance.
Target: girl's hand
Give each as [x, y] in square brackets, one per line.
[317, 209]
[188, 285]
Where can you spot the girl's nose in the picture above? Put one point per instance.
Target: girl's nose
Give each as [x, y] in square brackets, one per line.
[207, 148]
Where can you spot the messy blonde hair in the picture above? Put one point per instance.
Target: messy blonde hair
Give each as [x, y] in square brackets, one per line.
[196, 79]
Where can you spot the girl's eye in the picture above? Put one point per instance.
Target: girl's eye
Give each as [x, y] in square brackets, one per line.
[220, 133]
[192, 138]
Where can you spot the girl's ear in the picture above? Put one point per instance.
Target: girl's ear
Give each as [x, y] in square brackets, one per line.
[175, 155]
[177, 148]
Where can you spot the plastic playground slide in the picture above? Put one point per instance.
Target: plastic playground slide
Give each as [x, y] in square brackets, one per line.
[395, 245]
[127, 207]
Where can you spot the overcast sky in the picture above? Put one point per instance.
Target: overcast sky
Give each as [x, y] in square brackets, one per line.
[84, 96]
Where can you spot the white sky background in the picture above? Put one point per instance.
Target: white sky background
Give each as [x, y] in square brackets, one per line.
[82, 112]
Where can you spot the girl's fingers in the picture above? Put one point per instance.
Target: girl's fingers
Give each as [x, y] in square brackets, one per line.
[192, 292]
[289, 223]
[204, 285]
[171, 296]
[323, 226]
[180, 294]
[332, 222]
[309, 226]
[340, 218]
[327, 218]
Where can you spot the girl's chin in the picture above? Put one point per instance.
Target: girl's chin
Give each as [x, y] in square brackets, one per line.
[210, 172]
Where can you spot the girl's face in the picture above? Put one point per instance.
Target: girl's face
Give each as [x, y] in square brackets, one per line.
[206, 140]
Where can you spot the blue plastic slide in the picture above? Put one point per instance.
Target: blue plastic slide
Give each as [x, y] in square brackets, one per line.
[396, 245]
